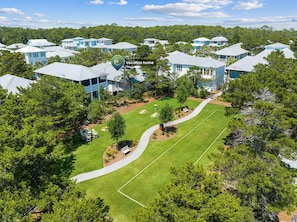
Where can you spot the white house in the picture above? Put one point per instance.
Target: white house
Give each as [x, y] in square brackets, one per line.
[248, 63]
[39, 43]
[235, 51]
[91, 79]
[114, 77]
[12, 83]
[119, 46]
[219, 41]
[201, 41]
[33, 55]
[16, 46]
[151, 42]
[211, 69]
[63, 53]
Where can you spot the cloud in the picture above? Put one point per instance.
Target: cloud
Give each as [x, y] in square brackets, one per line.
[253, 4]
[3, 19]
[38, 14]
[11, 11]
[153, 19]
[218, 2]
[121, 2]
[97, 2]
[191, 10]
[263, 20]
[27, 18]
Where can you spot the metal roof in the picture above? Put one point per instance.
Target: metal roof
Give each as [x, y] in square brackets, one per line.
[69, 71]
[177, 57]
[12, 82]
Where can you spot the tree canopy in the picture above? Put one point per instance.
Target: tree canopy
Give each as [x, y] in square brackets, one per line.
[252, 167]
[36, 128]
[116, 126]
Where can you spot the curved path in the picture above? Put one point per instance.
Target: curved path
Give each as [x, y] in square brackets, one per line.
[143, 142]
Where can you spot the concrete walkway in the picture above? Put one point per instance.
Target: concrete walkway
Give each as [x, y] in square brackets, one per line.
[143, 142]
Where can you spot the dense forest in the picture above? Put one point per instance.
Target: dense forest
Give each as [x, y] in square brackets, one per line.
[250, 37]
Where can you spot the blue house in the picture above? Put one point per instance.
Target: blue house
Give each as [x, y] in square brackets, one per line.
[151, 42]
[212, 70]
[40, 43]
[248, 63]
[219, 41]
[233, 51]
[197, 43]
[118, 46]
[33, 55]
[92, 80]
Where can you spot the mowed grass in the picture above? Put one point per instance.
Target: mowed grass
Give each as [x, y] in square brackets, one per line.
[142, 179]
[89, 156]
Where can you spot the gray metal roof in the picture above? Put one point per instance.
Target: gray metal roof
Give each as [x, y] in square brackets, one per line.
[69, 71]
[247, 64]
[109, 70]
[121, 45]
[233, 50]
[185, 59]
[30, 49]
[11, 83]
[16, 46]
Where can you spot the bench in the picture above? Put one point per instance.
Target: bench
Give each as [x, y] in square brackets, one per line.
[125, 150]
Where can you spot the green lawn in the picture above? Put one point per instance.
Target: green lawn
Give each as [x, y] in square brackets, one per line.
[142, 179]
[88, 157]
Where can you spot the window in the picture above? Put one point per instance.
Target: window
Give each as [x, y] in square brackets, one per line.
[95, 95]
[102, 80]
[179, 68]
[94, 81]
[85, 82]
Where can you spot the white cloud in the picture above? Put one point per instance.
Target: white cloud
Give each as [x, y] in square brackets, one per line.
[176, 8]
[186, 10]
[3, 19]
[121, 2]
[38, 14]
[27, 18]
[253, 4]
[11, 11]
[97, 2]
[280, 21]
[219, 2]
[153, 19]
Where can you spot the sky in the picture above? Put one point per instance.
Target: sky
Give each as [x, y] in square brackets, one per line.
[279, 14]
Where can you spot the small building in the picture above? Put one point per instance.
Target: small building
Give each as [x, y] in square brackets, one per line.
[201, 41]
[218, 41]
[114, 77]
[234, 51]
[91, 79]
[248, 63]
[68, 44]
[12, 83]
[16, 46]
[105, 41]
[119, 46]
[39, 43]
[212, 70]
[151, 42]
[33, 55]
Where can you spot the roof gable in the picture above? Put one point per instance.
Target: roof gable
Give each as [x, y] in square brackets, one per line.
[69, 71]
[185, 59]
[12, 82]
